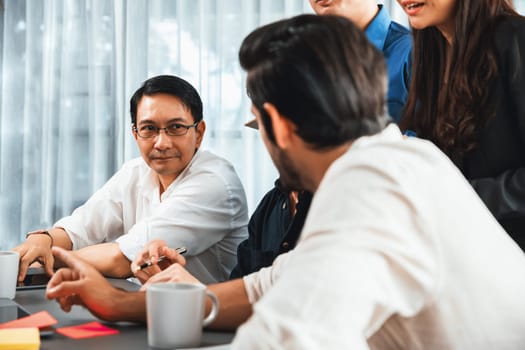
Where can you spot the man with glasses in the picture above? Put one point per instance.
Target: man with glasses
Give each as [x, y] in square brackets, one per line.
[174, 192]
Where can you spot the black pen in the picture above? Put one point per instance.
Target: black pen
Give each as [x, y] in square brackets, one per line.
[180, 250]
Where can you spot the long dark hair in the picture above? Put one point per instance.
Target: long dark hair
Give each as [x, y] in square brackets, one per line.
[451, 113]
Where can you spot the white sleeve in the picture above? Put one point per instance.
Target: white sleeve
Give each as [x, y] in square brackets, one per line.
[258, 283]
[201, 211]
[363, 256]
[100, 218]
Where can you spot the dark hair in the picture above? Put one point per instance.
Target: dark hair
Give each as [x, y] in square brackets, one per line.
[320, 72]
[451, 115]
[171, 85]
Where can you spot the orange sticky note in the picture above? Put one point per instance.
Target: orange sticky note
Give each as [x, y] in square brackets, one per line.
[40, 319]
[87, 330]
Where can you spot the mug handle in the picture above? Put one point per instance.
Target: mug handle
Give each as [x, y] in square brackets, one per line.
[214, 309]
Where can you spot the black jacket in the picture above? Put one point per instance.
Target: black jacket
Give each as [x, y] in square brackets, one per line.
[496, 168]
[272, 231]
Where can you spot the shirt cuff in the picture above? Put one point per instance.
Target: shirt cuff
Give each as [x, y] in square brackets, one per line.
[129, 248]
[251, 283]
[258, 283]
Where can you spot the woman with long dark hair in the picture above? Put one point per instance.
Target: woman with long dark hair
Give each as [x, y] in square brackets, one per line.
[467, 95]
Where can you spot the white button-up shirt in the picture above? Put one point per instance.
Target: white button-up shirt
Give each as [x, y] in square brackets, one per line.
[204, 210]
[397, 252]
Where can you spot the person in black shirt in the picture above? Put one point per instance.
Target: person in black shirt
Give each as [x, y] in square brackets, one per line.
[274, 228]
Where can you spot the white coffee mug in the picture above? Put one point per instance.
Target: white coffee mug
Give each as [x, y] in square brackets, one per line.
[175, 314]
[8, 273]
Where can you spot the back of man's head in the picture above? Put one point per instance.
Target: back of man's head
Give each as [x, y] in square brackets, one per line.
[320, 72]
[171, 85]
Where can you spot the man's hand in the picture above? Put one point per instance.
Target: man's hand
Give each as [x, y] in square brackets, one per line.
[81, 284]
[174, 273]
[151, 253]
[37, 247]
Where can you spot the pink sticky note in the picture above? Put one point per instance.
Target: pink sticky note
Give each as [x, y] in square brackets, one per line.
[40, 319]
[87, 330]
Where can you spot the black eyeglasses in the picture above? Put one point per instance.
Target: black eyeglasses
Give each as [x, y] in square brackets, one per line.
[175, 129]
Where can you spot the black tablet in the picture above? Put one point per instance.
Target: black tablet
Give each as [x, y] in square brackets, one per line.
[10, 310]
[36, 278]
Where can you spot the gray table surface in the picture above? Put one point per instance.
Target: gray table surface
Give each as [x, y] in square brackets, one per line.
[131, 336]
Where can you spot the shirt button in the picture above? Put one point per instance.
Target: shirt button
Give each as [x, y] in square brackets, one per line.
[285, 245]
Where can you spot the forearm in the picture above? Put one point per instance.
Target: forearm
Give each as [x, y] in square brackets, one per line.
[107, 258]
[129, 306]
[60, 238]
[234, 307]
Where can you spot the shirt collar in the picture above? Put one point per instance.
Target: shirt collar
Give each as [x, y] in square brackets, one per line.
[377, 30]
[150, 183]
[390, 133]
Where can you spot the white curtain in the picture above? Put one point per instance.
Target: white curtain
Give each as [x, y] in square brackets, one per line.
[520, 6]
[68, 69]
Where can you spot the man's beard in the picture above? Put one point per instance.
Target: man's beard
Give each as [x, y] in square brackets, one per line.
[289, 175]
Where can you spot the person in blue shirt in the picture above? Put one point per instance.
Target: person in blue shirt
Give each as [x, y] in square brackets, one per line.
[391, 38]
[276, 224]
